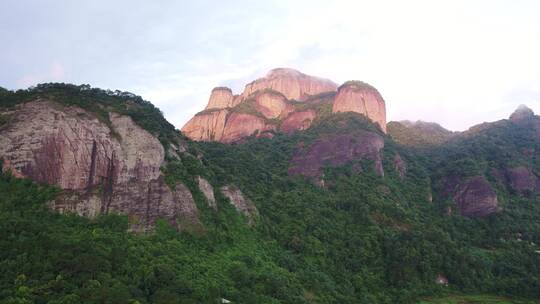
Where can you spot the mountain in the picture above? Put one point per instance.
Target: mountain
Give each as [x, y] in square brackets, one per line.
[285, 100]
[103, 201]
[418, 133]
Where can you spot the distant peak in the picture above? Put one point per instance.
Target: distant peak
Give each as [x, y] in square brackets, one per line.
[283, 72]
[521, 113]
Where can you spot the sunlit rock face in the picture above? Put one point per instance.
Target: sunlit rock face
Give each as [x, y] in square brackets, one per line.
[291, 83]
[359, 97]
[284, 100]
[220, 98]
[208, 126]
[101, 167]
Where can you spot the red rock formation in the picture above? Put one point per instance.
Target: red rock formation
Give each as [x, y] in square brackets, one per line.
[475, 197]
[272, 105]
[206, 126]
[221, 98]
[103, 169]
[271, 98]
[291, 83]
[298, 121]
[355, 96]
[335, 151]
[240, 125]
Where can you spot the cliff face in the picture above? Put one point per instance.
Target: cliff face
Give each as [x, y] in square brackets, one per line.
[291, 83]
[355, 96]
[276, 100]
[102, 168]
[335, 151]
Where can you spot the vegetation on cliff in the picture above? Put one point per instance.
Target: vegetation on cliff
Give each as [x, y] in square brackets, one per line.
[362, 238]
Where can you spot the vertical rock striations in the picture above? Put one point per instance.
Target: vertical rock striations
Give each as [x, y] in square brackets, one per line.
[279, 99]
[359, 97]
[102, 167]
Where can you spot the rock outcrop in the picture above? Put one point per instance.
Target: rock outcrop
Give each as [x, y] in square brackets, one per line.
[221, 98]
[298, 121]
[337, 150]
[241, 203]
[208, 192]
[359, 97]
[102, 168]
[285, 98]
[400, 166]
[291, 83]
[240, 125]
[207, 126]
[272, 105]
[475, 197]
[522, 180]
[522, 113]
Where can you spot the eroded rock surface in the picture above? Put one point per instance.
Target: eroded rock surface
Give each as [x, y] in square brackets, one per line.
[221, 98]
[207, 126]
[102, 168]
[240, 125]
[400, 166]
[276, 99]
[522, 180]
[241, 203]
[475, 197]
[291, 83]
[361, 98]
[208, 191]
[298, 121]
[335, 151]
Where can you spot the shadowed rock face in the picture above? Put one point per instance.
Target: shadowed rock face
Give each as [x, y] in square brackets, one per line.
[361, 98]
[400, 166]
[298, 121]
[521, 114]
[102, 171]
[274, 100]
[522, 180]
[475, 198]
[335, 151]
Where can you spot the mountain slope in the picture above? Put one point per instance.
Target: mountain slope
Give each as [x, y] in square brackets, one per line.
[344, 214]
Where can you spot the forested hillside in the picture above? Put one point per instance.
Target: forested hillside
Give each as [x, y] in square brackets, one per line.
[382, 224]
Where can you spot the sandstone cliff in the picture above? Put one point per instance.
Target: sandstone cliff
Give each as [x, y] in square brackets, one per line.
[337, 150]
[102, 167]
[291, 83]
[359, 97]
[276, 103]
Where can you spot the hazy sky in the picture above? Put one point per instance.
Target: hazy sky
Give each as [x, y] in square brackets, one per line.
[456, 62]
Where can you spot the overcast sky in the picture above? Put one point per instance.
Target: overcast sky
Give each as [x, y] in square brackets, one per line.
[456, 62]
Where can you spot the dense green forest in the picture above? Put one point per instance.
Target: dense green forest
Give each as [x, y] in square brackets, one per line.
[363, 238]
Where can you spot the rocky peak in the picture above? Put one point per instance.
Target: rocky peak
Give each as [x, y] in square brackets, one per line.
[360, 97]
[220, 98]
[291, 83]
[274, 103]
[522, 113]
